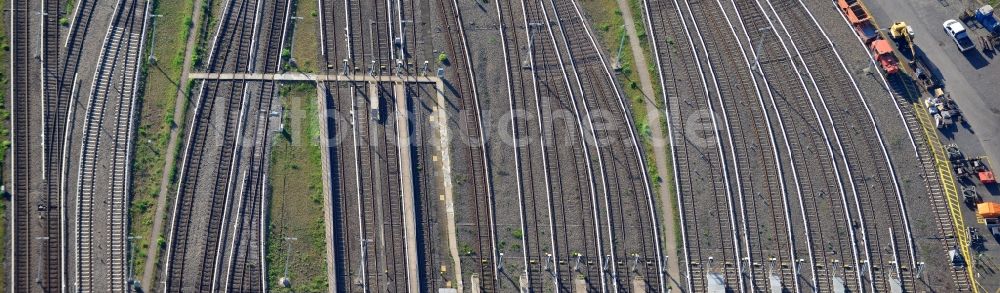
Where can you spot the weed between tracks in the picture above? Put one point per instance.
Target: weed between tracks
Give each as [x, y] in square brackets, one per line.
[156, 120]
[297, 196]
[608, 24]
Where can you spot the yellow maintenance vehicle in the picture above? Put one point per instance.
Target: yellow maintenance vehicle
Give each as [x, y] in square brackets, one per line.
[903, 35]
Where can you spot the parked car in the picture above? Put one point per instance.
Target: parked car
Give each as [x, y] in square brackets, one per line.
[957, 31]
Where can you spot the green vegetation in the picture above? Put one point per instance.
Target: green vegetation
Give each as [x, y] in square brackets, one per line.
[465, 249]
[517, 234]
[297, 196]
[156, 120]
[68, 7]
[443, 58]
[607, 18]
[210, 13]
[63, 21]
[4, 145]
[305, 37]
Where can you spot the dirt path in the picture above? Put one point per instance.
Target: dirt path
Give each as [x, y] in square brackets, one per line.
[161, 202]
[660, 144]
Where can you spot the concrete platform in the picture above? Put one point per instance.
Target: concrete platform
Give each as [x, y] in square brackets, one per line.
[406, 176]
[331, 253]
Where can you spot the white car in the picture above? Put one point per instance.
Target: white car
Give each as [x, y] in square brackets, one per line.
[956, 30]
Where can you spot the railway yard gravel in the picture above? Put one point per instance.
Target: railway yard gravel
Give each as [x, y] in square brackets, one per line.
[884, 108]
[779, 164]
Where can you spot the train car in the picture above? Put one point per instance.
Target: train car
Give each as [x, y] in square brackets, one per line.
[859, 18]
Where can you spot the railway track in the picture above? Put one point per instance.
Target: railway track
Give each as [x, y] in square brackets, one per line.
[354, 240]
[22, 146]
[938, 186]
[383, 266]
[102, 255]
[933, 180]
[55, 111]
[426, 188]
[369, 272]
[764, 205]
[370, 37]
[831, 251]
[462, 79]
[700, 167]
[211, 158]
[577, 252]
[243, 268]
[887, 229]
[516, 87]
[636, 257]
[383, 259]
[344, 163]
[191, 258]
[532, 159]
[344, 183]
[33, 193]
[412, 19]
[938, 195]
[393, 234]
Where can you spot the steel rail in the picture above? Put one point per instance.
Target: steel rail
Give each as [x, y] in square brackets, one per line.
[112, 41]
[340, 233]
[189, 149]
[840, 148]
[691, 283]
[774, 151]
[541, 135]
[583, 141]
[635, 147]
[20, 93]
[872, 281]
[46, 47]
[355, 149]
[798, 75]
[482, 152]
[725, 117]
[513, 129]
[878, 134]
[234, 164]
[237, 149]
[826, 140]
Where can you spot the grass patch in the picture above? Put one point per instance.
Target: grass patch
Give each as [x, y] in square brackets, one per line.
[4, 146]
[609, 23]
[304, 42]
[68, 7]
[156, 120]
[607, 18]
[297, 196]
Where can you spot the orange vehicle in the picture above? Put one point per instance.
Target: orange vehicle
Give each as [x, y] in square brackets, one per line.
[882, 51]
[988, 210]
[985, 174]
[987, 177]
